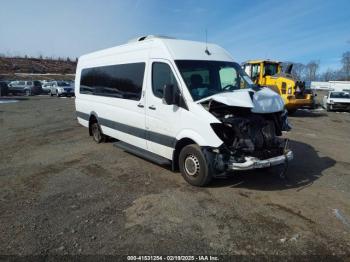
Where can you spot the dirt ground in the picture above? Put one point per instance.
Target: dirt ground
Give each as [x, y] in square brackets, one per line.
[60, 193]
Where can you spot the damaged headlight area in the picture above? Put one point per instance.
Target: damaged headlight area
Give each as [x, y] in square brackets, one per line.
[252, 135]
[250, 140]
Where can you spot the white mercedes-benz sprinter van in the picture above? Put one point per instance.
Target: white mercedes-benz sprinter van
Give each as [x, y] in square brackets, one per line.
[182, 103]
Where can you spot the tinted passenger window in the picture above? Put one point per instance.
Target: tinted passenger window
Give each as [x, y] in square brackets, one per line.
[122, 81]
[161, 76]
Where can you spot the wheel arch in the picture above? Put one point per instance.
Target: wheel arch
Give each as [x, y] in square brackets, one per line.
[190, 136]
[180, 144]
[93, 118]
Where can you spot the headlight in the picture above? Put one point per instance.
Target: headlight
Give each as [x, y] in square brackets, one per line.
[331, 101]
[289, 91]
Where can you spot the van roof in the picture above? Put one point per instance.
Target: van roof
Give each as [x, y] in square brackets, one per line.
[164, 47]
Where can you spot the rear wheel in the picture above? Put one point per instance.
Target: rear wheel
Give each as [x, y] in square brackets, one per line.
[193, 166]
[51, 93]
[97, 134]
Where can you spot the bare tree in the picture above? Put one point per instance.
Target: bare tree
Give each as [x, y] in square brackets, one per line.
[346, 65]
[328, 75]
[299, 70]
[311, 70]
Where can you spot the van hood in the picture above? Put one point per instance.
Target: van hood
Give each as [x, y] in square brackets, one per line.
[263, 100]
[340, 100]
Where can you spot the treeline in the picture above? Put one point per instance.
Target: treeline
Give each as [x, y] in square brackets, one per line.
[41, 57]
[37, 65]
[310, 71]
[306, 72]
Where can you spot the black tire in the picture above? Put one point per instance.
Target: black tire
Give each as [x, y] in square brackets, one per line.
[328, 108]
[97, 134]
[193, 166]
[51, 93]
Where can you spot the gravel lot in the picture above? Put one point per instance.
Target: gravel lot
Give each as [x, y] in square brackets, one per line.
[60, 193]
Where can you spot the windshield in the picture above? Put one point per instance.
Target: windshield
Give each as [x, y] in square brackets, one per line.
[339, 95]
[207, 78]
[62, 84]
[271, 69]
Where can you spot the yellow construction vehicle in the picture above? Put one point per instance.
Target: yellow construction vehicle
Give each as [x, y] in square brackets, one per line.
[292, 90]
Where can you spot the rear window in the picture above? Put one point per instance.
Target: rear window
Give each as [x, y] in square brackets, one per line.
[121, 81]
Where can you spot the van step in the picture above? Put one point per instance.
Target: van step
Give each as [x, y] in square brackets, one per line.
[142, 153]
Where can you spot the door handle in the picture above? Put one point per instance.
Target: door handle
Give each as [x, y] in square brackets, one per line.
[152, 107]
[141, 105]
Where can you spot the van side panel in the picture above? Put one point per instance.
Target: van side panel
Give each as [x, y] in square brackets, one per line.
[116, 118]
[119, 118]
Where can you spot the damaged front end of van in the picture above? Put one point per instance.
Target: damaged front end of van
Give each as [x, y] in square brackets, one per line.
[251, 125]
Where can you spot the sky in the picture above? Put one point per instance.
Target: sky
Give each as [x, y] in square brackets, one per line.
[297, 31]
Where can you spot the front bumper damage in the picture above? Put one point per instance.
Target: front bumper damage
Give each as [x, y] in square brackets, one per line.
[255, 163]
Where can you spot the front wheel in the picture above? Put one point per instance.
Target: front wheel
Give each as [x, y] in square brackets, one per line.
[193, 166]
[329, 108]
[28, 92]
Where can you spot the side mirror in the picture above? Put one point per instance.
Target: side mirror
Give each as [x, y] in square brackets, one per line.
[169, 96]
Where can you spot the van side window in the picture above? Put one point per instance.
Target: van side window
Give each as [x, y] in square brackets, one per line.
[121, 81]
[162, 75]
